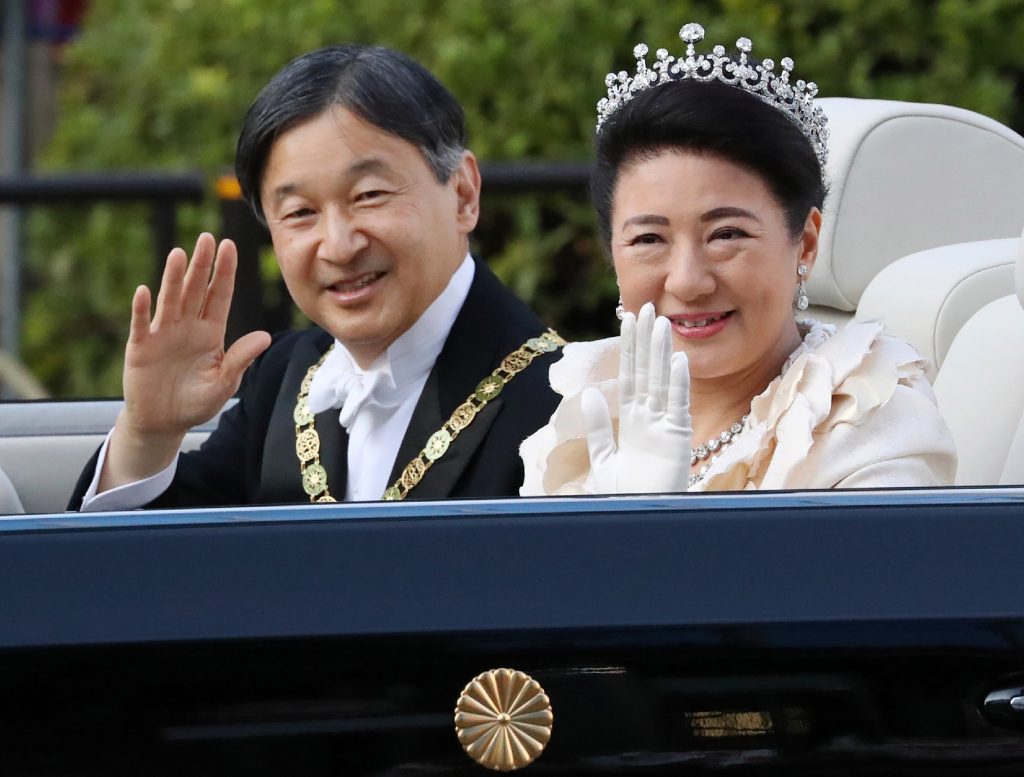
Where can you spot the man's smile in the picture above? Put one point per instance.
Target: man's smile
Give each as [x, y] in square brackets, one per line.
[357, 288]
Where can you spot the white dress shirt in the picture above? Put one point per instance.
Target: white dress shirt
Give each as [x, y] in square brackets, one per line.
[376, 404]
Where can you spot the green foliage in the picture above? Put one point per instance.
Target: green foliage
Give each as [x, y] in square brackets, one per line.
[163, 84]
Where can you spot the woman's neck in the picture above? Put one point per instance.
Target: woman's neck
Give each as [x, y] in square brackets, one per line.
[716, 403]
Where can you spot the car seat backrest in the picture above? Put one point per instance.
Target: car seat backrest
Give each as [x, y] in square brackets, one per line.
[979, 390]
[905, 177]
[10, 504]
[926, 297]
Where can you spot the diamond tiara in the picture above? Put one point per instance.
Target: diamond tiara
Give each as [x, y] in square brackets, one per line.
[795, 100]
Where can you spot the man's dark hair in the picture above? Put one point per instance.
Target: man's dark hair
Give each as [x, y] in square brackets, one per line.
[382, 87]
[714, 119]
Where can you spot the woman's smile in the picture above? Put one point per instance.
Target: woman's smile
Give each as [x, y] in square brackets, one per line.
[697, 326]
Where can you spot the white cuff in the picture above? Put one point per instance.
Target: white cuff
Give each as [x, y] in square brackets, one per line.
[127, 497]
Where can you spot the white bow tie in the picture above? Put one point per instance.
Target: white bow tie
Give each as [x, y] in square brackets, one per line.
[338, 385]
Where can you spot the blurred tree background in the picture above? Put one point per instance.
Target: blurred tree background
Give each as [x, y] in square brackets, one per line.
[164, 84]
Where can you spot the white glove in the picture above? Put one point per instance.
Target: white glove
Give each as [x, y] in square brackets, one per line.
[655, 431]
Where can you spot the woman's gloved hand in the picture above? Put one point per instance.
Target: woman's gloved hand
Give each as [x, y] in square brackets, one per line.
[652, 453]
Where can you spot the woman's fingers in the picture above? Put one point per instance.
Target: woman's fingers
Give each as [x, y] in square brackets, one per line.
[598, 421]
[222, 284]
[644, 328]
[197, 279]
[661, 353]
[679, 393]
[627, 358]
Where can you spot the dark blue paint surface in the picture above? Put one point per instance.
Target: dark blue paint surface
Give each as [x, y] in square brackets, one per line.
[915, 556]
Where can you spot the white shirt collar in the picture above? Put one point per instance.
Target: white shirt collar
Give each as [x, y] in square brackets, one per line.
[406, 361]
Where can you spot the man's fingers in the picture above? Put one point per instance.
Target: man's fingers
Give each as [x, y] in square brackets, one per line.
[627, 358]
[193, 293]
[241, 354]
[222, 285]
[139, 328]
[598, 420]
[168, 298]
[679, 393]
[644, 328]
[660, 354]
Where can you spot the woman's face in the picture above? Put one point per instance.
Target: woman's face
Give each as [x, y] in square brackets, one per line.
[706, 241]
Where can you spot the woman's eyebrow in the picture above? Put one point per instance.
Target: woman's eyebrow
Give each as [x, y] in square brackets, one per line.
[728, 212]
[645, 219]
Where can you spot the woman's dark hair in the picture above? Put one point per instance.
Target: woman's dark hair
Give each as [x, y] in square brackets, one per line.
[382, 87]
[715, 119]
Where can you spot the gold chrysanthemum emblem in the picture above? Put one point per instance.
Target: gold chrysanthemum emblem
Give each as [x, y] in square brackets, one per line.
[503, 719]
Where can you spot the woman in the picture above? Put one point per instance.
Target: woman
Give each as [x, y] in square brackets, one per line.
[709, 190]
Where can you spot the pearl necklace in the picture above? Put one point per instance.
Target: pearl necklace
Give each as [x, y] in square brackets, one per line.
[715, 444]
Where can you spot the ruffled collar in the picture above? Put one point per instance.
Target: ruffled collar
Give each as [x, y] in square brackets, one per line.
[832, 377]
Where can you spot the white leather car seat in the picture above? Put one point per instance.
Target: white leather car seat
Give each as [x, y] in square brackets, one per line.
[926, 297]
[905, 177]
[10, 504]
[980, 390]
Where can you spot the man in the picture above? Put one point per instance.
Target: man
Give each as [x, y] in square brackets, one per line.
[354, 158]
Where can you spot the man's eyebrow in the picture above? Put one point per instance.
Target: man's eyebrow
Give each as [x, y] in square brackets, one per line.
[362, 167]
[728, 212]
[645, 220]
[369, 165]
[282, 191]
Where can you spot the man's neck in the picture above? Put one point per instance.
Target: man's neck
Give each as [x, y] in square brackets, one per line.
[428, 332]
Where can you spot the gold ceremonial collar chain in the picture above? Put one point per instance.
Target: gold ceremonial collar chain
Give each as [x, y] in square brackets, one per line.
[307, 440]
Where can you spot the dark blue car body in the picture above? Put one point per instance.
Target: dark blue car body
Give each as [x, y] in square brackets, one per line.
[740, 634]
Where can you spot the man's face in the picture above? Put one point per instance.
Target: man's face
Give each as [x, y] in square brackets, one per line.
[365, 235]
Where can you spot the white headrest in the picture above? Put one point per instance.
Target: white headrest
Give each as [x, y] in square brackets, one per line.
[905, 177]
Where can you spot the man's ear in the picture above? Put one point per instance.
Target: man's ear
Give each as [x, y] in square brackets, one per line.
[466, 180]
[809, 239]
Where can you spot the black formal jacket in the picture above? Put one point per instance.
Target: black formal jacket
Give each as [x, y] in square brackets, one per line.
[250, 457]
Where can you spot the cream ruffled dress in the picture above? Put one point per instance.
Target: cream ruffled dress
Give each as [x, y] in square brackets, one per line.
[851, 409]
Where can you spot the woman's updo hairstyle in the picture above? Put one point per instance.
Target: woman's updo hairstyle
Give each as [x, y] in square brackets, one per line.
[718, 120]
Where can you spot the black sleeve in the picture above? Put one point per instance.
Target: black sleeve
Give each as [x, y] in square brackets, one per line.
[225, 469]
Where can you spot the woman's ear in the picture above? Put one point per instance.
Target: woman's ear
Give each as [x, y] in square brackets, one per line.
[467, 191]
[809, 239]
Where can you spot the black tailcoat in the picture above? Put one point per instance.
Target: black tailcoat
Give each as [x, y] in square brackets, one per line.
[250, 457]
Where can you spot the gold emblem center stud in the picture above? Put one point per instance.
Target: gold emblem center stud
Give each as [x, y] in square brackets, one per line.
[503, 719]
